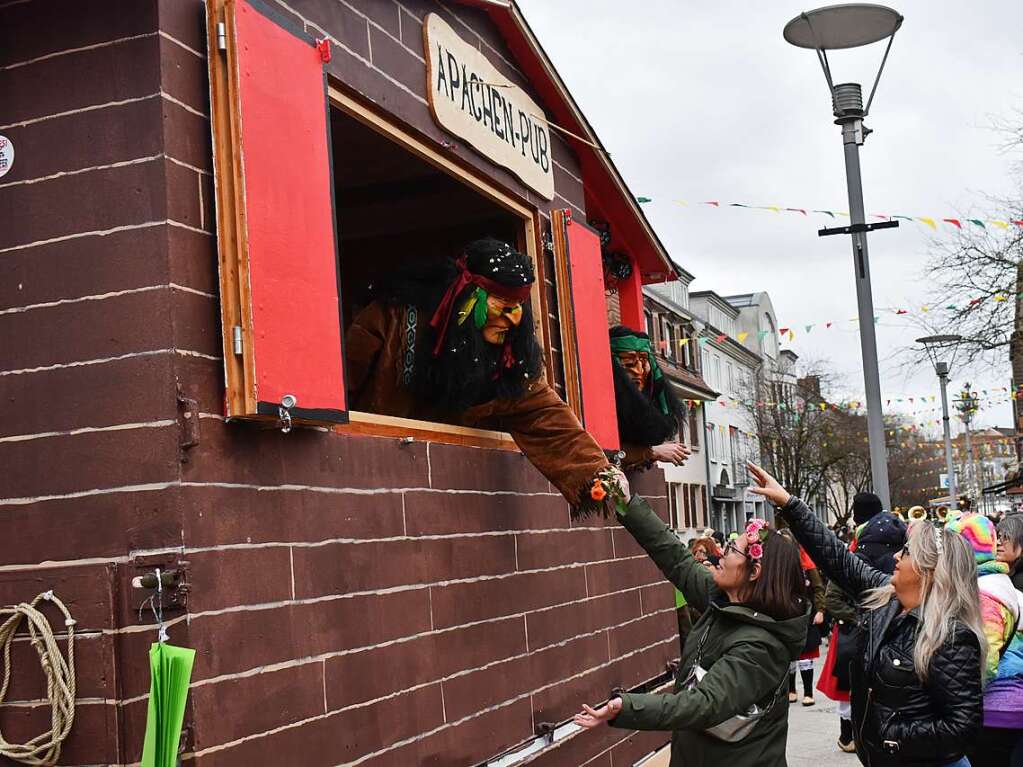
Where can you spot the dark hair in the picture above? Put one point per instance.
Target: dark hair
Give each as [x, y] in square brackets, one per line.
[1012, 528]
[640, 418]
[467, 371]
[780, 591]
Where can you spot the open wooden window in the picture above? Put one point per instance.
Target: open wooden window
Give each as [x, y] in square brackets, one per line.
[590, 385]
[318, 196]
[275, 221]
[398, 201]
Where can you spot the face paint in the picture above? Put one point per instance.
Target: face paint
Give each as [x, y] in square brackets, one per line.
[637, 365]
[502, 316]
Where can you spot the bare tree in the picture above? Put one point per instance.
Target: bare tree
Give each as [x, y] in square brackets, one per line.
[976, 278]
[848, 469]
[791, 421]
[976, 284]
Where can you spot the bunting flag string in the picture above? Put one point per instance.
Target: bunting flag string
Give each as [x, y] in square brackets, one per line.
[789, 333]
[931, 222]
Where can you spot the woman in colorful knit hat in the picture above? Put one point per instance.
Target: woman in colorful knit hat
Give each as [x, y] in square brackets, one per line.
[1001, 607]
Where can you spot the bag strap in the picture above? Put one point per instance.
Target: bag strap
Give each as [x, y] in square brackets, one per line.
[703, 640]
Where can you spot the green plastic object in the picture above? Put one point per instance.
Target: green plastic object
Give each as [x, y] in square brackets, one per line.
[170, 671]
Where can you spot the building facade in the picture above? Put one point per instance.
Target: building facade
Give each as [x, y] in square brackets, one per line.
[731, 368]
[358, 589]
[674, 330]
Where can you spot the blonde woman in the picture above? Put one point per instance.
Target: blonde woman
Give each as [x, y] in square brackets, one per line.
[916, 676]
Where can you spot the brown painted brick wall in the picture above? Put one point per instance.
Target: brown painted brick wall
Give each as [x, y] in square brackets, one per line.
[351, 598]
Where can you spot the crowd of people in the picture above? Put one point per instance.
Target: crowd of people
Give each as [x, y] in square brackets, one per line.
[920, 613]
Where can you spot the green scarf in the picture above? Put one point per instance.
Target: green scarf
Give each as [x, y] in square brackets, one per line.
[637, 344]
[991, 567]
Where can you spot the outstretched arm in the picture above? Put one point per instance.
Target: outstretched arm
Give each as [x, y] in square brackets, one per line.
[831, 556]
[747, 673]
[670, 555]
[547, 431]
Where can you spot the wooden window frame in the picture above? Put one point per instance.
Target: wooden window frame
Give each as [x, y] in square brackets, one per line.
[379, 425]
[569, 338]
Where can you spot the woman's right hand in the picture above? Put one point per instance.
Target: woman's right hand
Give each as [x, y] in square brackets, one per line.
[768, 486]
[594, 717]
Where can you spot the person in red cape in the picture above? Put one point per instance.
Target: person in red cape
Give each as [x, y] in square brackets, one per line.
[454, 342]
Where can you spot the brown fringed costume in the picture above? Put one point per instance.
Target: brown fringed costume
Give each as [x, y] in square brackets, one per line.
[385, 343]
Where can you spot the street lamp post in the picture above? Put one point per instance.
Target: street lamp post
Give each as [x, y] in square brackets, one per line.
[833, 28]
[935, 345]
[967, 404]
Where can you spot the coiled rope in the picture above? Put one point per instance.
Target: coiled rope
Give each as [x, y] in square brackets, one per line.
[43, 750]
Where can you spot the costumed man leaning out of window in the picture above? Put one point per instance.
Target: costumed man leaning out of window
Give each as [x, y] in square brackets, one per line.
[648, 411]
[454, 342]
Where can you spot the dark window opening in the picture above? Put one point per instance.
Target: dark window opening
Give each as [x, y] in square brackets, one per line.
[394, 209]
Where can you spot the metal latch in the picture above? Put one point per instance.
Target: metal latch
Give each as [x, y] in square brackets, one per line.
[221, 36]
[288, 401]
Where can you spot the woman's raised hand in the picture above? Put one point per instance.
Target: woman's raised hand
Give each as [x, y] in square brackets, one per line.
[594, 717]
[768, 486]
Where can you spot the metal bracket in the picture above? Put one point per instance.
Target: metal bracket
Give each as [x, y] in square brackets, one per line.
[172, 581]
[857, 228]
[288, 401]
[546, 731]
[189, 423]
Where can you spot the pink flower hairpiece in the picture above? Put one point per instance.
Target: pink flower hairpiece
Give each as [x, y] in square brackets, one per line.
[756, 534]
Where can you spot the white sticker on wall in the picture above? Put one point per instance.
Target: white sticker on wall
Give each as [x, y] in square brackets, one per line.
[6, 155]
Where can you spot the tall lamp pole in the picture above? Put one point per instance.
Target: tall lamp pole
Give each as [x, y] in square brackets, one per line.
[967, 404]
[935, 346]
[833, 28]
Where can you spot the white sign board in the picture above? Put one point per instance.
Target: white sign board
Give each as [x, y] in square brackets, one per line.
[943, 479]
[6, 155]
[471, 99]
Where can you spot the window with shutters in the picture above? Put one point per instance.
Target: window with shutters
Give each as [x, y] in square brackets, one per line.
[321, 196]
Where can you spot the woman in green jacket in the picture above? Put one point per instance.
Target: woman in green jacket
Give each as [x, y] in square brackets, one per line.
[755, 616]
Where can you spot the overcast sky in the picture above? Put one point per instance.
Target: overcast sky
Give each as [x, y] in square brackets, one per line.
[706, 101]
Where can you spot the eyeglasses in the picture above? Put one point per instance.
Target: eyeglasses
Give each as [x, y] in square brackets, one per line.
[730, 546]
[904, 551]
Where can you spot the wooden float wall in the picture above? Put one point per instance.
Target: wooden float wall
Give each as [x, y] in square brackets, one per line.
[352, 599]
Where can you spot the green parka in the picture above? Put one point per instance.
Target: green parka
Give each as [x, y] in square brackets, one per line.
[746, 655]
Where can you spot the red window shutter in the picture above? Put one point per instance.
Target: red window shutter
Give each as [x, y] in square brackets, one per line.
[275, 216]
[589, 309]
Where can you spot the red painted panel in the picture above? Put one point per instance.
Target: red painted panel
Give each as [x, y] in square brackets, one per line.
[590, 307]
[290, 217]
[630, 298]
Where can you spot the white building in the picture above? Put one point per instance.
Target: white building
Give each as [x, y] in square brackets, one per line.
[673, 329]
[730, 366]
[757, 329]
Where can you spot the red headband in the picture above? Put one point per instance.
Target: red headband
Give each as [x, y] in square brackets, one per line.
[442, 317]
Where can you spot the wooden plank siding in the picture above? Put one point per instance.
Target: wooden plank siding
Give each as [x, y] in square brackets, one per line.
[353, 599]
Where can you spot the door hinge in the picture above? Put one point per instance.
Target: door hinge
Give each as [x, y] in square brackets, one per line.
[236, 340]
[221, 36]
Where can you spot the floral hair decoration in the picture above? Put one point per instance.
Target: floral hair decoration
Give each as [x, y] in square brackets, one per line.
[756, 534]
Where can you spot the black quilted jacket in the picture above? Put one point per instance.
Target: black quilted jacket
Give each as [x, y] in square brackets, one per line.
[897, 720]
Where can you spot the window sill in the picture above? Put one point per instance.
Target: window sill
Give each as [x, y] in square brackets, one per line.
[376, 425]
